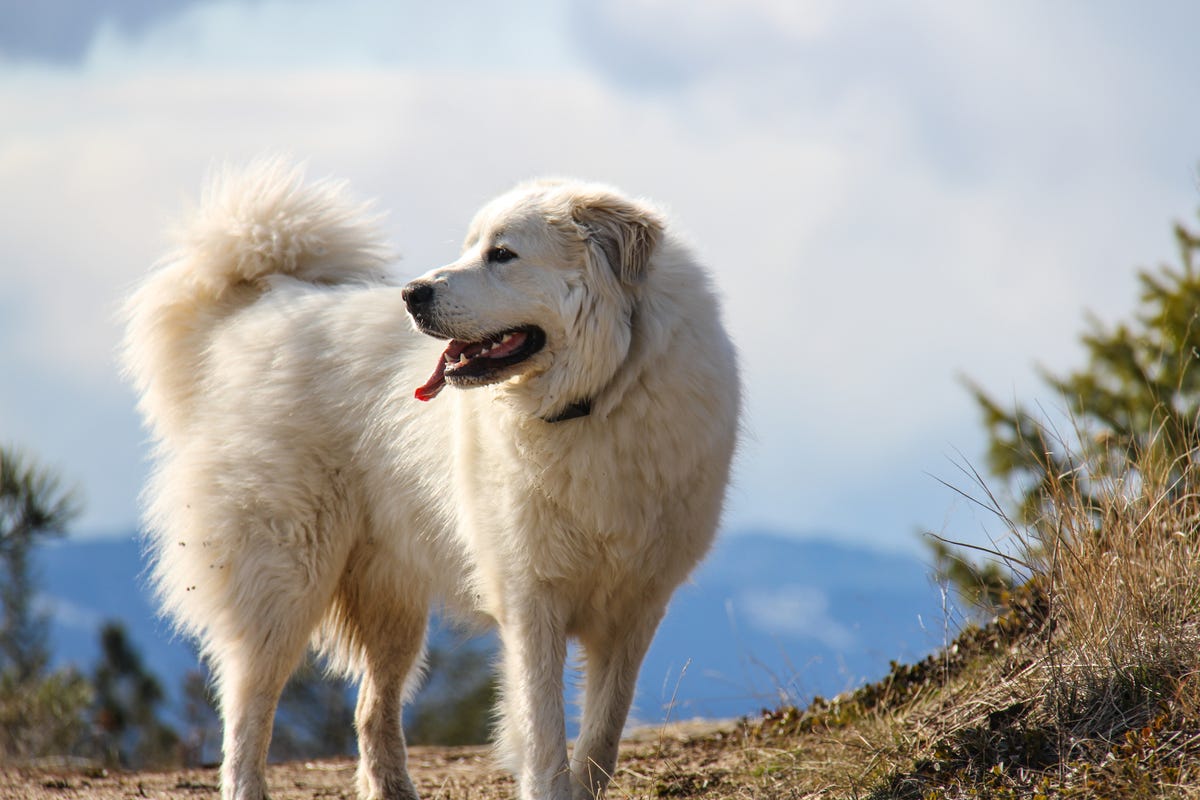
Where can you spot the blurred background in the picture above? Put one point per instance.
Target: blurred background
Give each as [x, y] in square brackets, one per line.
[890, 198]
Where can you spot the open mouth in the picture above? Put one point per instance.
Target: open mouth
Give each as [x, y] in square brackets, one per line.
[485, 361]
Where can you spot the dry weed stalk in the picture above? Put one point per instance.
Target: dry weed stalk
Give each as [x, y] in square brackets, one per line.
[1122, 574]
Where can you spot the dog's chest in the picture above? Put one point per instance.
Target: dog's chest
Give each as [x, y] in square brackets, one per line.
[563, 504]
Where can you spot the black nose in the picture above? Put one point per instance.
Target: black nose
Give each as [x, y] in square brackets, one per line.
[417, 295]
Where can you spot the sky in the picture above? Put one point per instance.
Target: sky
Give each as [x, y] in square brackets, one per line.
[890, 196]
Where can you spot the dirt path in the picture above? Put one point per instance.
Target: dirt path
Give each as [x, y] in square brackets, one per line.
[674, 761]
[439, 773]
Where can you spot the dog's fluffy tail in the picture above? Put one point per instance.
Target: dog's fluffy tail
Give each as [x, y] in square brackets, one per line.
[252, 223]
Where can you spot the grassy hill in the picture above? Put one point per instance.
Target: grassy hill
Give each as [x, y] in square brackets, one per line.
[1086, 684]
[1012, 709]
[1007, 711]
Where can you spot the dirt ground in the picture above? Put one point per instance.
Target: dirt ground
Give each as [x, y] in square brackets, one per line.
[674, 760]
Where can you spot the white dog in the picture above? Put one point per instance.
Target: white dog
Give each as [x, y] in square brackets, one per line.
[301, 494]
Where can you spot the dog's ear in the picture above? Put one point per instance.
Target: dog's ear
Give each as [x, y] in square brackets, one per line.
[623, 231]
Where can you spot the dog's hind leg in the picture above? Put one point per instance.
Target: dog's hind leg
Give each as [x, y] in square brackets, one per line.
[383, 755]
[277, 594]
[381, 628]
[613, 652]
[250, 681]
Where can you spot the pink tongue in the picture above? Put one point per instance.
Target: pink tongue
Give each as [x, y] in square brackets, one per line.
[434, 385]
[456, 348]
[437, 380]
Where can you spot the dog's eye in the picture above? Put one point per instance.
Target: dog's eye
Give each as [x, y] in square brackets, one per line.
[499, 255]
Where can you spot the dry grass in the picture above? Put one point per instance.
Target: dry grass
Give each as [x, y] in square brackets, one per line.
[1088, 685]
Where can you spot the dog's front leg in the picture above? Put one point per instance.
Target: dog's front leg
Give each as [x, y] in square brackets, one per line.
[613, 649]
[532, 735]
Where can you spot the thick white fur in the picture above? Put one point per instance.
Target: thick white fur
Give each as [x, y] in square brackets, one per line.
[302, 495]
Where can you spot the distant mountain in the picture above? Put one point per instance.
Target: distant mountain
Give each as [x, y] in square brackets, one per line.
[767, 617]
[87, 583]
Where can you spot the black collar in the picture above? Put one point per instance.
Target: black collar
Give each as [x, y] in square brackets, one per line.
[573, 411]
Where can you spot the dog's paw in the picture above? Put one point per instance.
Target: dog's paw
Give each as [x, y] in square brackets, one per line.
[392, 787]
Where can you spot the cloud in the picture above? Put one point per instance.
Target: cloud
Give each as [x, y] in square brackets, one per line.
[255, 36]
[628, 39]
[797, 611]
[62, 31]
[884, 203]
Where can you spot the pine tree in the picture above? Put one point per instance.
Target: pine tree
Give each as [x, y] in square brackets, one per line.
[1134, 406]
[1138, 397]
[33, 508]
[457, 705]
[315, 717]
[126, 708]
[202, 735]
[41, 712]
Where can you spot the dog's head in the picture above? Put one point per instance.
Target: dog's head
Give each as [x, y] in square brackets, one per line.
[542, 294]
